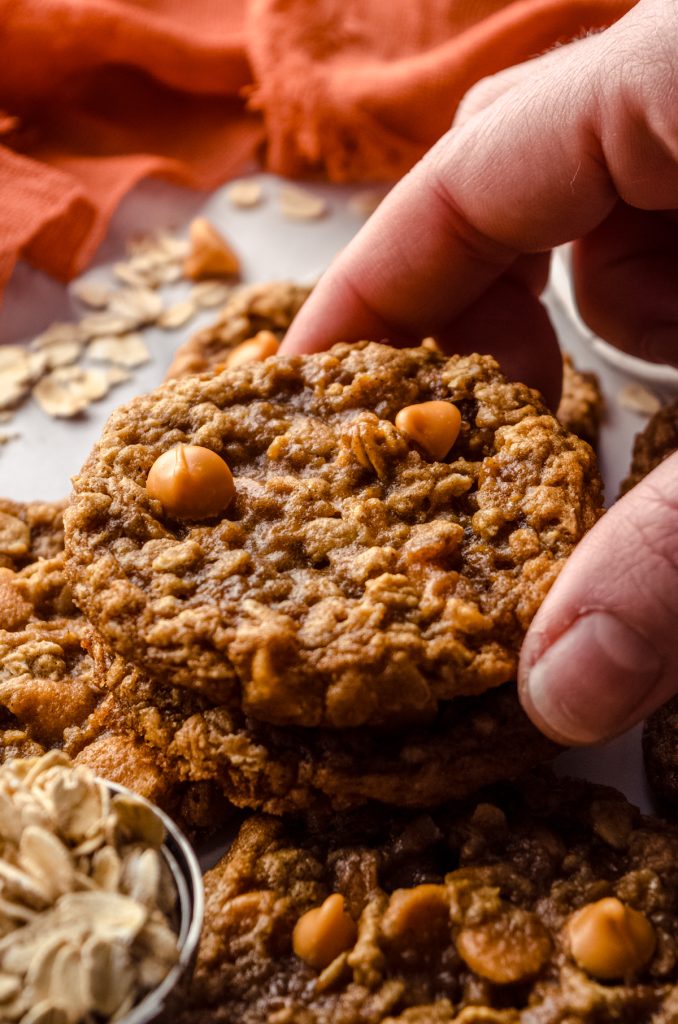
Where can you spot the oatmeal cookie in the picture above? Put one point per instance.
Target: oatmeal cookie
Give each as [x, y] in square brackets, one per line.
[254, 308]
[652, 445]
[49, 696]
[354, 579]
[655, 443]
[660, 747]
[544, 903]
[582, 404]
[471, 742]
[46, 678]
[29, 530]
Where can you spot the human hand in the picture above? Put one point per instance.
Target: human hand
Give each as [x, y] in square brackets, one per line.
[580, 144]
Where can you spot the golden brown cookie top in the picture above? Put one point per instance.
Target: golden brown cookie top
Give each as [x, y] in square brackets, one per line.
[29, 530]
[656, 442]
[545, 901]
[355, 578]
[252, 309]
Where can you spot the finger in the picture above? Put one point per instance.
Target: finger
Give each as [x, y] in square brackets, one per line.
[543, 164]
[487, 90]
[626, 282]
[510, 323]
[601, 654]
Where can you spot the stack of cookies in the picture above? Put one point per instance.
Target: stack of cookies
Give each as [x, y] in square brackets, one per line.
[309, 578]
[300, 587]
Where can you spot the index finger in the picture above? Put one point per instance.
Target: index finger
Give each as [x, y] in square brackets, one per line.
[538, 167]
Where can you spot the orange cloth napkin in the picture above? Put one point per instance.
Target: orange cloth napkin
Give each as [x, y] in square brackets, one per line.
[97, 94]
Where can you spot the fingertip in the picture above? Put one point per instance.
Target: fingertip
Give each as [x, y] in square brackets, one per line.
[593, 682]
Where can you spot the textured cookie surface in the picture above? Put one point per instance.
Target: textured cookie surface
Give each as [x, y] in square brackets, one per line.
[655, 443]
[254, 308]
[29, 530]
[660, 746]
[582, 404]
[471, 742]
[354, 580]
[49, 696]
[461, 916]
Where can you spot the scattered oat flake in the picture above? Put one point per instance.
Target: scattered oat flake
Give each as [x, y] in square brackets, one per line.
[11, 355]
[637, 398]
[117, 375]
[175, 248]
[68, 390]
[298, 204]
[365, 203]
[91, 294]
[101, 324]
[245, 193]
[208, 294]
[6, 437]
[59, 332]
[136, 304]
[128, 274]
[177, 315]
[123, 350]
[59, 353]
[168, 273]
[12, 391]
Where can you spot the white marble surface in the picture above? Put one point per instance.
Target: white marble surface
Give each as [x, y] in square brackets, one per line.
[39, 463]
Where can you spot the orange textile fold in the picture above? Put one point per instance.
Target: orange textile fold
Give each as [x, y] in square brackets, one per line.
[362, 88]
[96, 94]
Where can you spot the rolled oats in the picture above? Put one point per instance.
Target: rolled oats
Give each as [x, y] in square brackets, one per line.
[95, 296]
[87, 906]
[177, 315]
[68, 390]
[298, 204]
[208, 294]
[245, 193]
[637, 398]
[124, 350]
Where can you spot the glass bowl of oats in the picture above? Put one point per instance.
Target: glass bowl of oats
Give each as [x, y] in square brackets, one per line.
[101, 898]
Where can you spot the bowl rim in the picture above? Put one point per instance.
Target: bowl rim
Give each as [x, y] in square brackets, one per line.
[183, 863]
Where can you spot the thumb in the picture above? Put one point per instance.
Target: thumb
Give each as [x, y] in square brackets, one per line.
[601, 653]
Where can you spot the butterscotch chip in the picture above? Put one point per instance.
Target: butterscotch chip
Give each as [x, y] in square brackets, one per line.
[210, 254]
[501, 879]
[323, 933]
[512, 946]
[261, 346]
[190, 482]
[610, 940]
[314, 611]
[416, 911]
[434, 426]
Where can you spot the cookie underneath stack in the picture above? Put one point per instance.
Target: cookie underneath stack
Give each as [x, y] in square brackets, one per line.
[540, 903]
[359, 595]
